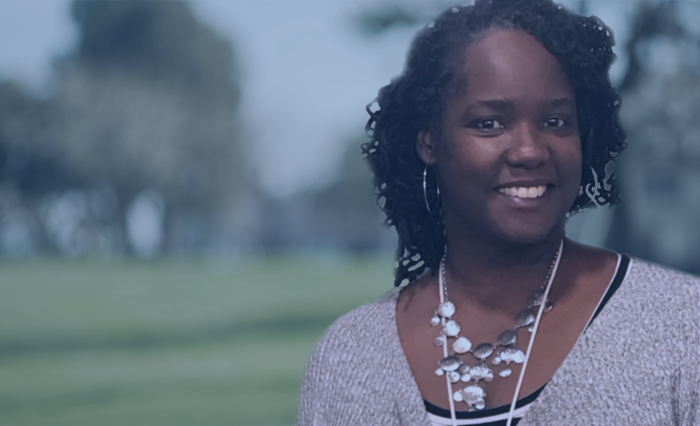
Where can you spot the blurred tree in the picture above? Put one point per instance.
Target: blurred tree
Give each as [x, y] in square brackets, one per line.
[161, 42]
[346, 214]
[651, 20]
[341, 216]
[660, 173]
[148, 100]
[389, 15]
[22, 118]
[26, 174]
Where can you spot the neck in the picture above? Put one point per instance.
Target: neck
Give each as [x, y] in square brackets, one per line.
[496, 274]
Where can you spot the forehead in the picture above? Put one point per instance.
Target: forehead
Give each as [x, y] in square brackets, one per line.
[505, 63]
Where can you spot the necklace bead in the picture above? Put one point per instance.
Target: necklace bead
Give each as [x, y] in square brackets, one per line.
[483, 351]
[446, 310]
[524, 318]
[473, 394]
[535, 299]
[480, 372]
[507, 337]
[451, 328]
[512, 354]
[450, 363]
[462, 345]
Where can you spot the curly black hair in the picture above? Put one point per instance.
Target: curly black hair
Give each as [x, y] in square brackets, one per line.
[414, 101]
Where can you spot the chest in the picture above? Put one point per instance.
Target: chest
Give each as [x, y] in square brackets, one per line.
[608, 377]
[494, 374]
[556, 336]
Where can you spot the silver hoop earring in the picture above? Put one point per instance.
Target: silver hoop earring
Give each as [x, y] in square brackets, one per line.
[425, 189]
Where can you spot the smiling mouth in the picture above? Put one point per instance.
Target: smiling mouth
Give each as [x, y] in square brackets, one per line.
[524, 192]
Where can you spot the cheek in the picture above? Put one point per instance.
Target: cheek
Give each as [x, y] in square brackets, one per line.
[470, 155]
[466, 167]
[572, 164]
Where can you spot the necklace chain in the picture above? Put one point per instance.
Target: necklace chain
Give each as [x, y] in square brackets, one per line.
[453, 367]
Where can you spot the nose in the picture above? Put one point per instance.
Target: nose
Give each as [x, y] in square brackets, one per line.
[527, 147]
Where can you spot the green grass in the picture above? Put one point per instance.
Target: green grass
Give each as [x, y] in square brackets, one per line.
[168, 342]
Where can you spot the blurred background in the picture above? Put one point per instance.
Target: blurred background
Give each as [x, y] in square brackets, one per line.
[184, 208]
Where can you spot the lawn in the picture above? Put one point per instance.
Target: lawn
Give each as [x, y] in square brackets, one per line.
[176, 342]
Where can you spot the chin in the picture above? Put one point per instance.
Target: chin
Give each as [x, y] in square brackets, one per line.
[527, 233]
[523, 238]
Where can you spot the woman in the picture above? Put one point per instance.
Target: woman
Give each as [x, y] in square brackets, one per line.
[503, 124]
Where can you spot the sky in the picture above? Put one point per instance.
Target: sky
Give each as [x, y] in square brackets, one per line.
[307, 72]
[33, 33]
[308, 75]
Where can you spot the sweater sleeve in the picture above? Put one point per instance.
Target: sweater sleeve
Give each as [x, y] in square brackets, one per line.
[334, 390]
[693, 398]
[315, 387]
[337, 386]
[687, 380]
[351, 377]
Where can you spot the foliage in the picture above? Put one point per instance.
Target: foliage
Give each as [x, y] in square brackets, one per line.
[347, 209]
[148, 100]
[162, 42]
[22, 120]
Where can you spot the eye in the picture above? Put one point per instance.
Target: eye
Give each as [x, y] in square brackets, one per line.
[555, 122]
[489, 124]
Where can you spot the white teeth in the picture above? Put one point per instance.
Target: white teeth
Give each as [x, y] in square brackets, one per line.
[523, 192]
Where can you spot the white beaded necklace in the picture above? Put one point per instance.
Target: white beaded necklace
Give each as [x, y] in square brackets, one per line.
[455, 370]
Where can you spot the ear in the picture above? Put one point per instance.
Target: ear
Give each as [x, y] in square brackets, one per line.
[425, 145]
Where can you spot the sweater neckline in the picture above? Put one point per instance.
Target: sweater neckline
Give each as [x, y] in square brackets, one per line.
[416, 400]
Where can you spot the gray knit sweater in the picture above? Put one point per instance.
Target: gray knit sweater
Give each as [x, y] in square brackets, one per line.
[637, 364]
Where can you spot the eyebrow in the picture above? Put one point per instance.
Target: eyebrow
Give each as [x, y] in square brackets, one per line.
[502, 104]
[498, 104]
[560, 102]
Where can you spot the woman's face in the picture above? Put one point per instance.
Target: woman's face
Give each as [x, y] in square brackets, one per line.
[508, 152]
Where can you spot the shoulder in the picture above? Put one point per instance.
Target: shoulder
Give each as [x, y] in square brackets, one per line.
[650, 282]
[361, 333]
[673, 300]
[648, 271]
[655, 303]
[647, 338]
[354, 367]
